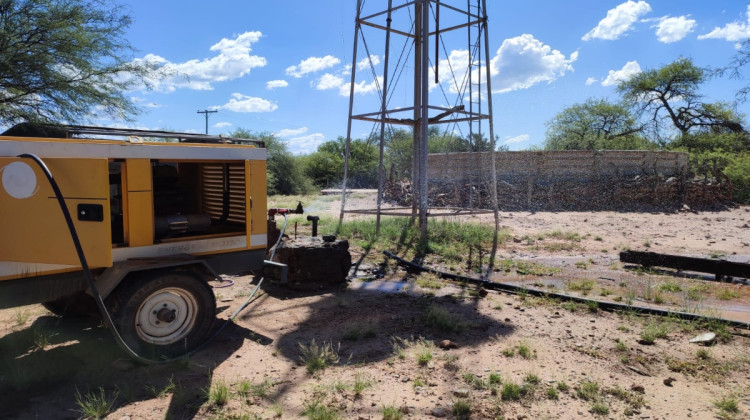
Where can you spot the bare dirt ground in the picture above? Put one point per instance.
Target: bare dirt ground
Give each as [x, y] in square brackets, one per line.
[511, 356]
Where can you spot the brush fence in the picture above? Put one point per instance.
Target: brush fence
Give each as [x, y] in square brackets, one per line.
[560, 179]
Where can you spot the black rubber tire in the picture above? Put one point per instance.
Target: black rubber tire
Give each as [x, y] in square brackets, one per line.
[131, 307]
[76, 305]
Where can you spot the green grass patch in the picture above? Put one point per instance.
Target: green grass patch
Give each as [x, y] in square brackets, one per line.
[727, 294]
[439, 318]
[449, 239]
[317, 358]
[584, 286]
[95, 405]
[588, 390]
[525, 268]
[524, 350]
[669, 286]
[391, 412]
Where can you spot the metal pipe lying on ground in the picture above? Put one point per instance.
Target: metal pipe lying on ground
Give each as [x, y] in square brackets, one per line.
[609, 306]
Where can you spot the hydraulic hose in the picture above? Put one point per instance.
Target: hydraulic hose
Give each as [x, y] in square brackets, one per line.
[90, 278]
[603, 305]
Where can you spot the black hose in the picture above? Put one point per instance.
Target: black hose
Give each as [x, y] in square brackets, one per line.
[610, 306]
[90, 278]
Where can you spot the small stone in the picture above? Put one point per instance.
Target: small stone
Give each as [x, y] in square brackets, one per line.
[447, 344]
[438, 412]
[461, 393]
[668, 381]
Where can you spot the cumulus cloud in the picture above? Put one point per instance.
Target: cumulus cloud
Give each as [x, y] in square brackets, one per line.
[362, 87]
[618, 20]
[273, 84]
[517, 139]
[232, 60]
[222, 124]
[733, 31]
[614, 77]
[243, 103]
[673, 29]
[312, 65]
[288, 132]
[328, 81]
[591, 80]
[457, 59]
[365, 62]
[524, 61]
[305, 144]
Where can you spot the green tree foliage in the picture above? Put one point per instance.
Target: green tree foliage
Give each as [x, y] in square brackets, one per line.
[399, 148]
[285, 174]
[724, 156]
[594, 125]
[671, 95]
[66, 61]
[326, 165]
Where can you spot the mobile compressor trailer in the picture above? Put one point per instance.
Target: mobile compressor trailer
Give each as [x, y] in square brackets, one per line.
[156, 221]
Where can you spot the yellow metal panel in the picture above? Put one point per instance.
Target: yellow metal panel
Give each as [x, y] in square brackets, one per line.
[256, 191]
[139, 175]
[140, 218]
[140, 202]
[32, 224]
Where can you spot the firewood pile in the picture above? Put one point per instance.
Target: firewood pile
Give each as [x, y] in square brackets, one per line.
[641, 193]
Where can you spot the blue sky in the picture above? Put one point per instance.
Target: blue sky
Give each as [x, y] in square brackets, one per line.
[283, 67]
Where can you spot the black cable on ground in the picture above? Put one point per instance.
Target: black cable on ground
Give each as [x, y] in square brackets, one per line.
[609, 306]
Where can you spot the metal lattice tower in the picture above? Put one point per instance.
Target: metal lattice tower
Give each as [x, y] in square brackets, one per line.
[446, 44]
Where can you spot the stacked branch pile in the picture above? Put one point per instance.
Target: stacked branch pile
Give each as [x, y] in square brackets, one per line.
[566, 180]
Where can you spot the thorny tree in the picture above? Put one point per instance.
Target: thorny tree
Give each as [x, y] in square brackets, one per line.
[671, 94]
[66, 61]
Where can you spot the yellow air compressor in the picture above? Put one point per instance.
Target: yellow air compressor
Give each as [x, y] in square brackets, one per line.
[157, 215]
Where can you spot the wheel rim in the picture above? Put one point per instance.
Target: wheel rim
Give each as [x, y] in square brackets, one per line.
[166, 316]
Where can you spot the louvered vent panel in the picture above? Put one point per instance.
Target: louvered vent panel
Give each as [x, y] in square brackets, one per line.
[212, 195]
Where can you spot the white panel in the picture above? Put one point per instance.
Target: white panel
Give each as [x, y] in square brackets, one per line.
[256, 240]
[199, 246]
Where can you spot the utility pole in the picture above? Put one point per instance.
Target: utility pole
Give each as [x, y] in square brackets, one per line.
[206, 112]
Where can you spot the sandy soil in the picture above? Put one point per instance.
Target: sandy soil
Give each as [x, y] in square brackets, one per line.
[386, 334]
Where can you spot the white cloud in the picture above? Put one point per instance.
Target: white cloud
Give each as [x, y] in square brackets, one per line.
[591, 80]
[524, 61]
[233, 60]
[614, 77]
[517, 139]
[311, 65]
[618, 20]
[362, 87]
[222, 124]
[328, 81]
[305, 144]
[243, 103]
[273, 84]
[673, 29]
[733, 31]
[457, 59]
[365, 62]
[288, 132]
